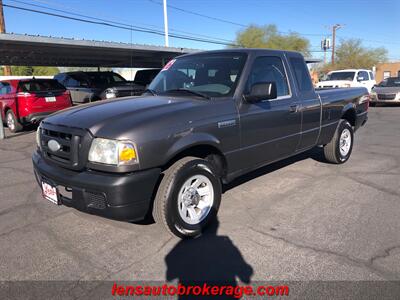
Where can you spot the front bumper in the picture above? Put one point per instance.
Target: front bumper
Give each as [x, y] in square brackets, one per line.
[376, 99]
[124, 197]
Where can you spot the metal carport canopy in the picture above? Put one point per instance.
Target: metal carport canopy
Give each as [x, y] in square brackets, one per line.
[28, 50]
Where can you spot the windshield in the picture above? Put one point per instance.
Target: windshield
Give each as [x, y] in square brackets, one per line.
[341, 76]
[100, 78]
[213, 75]
[390, 82]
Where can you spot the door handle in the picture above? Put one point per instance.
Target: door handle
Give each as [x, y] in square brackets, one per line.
[294, 108]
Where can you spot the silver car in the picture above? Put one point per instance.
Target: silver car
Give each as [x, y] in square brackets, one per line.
[388, 91]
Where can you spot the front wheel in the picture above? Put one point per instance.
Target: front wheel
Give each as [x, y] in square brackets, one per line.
[338, 150]
[188, 197]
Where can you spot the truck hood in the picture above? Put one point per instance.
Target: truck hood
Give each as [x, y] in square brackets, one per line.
[334, 83]
[105, 117]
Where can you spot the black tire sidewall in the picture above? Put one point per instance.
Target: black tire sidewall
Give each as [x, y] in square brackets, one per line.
[174, 220]
[342, 126]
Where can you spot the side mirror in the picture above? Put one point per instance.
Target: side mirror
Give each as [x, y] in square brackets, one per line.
[261, 91]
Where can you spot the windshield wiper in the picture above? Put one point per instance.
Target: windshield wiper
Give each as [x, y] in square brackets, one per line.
[199, 94]
[152, 92]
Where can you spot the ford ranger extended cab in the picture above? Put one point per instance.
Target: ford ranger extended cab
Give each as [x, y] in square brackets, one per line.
[206, 119]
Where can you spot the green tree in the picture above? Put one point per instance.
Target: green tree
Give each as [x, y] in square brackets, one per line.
[352, 54]
[21, 71]
[32, 71]
[269, 37]
[45, 71]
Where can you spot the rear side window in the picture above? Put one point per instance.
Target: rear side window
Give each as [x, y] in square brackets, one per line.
[371, 75]
[301, 74]
[269, 69]
[363, 76]
[32, 86]
[5, 88]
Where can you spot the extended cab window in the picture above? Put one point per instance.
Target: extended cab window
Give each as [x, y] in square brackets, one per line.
[301, 74]
[269, 69]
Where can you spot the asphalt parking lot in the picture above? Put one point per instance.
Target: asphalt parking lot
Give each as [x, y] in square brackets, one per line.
[300, 219]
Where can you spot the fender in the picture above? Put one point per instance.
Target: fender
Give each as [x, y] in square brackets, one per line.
[349, 109]
[191, 140]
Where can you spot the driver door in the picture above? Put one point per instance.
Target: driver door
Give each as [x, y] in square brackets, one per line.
[270, 129]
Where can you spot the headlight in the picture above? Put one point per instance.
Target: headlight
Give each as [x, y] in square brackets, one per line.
[110, 94]
[38, 137]
[112, 152]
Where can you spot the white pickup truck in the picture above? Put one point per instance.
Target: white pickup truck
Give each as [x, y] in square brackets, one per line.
[348, 78]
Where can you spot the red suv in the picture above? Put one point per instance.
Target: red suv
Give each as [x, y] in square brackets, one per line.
[27, 101]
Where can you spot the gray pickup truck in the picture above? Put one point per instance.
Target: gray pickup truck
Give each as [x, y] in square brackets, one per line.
[206, 119]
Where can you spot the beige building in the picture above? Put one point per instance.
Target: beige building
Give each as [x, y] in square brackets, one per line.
[386, 70]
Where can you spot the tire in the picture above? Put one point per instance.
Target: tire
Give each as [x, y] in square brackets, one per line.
[372, 104]
[178, 198]
[339, 149]
[12, 123]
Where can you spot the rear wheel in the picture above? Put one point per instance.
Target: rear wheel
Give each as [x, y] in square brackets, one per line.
[339, 149]
[188, 197]
[12, 123]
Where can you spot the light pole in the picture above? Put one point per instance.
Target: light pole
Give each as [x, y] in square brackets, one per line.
[2, 135]
[165, 23]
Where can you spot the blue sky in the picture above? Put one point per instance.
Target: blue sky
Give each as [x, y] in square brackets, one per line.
[375, 22]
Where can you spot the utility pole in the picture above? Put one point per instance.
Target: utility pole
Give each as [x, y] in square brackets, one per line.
[334, 28]
[325, 45]
[165, 23]
[7, 69]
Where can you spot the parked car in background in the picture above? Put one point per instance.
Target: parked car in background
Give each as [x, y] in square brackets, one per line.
[145, 77]
[206, 119]
[388, 91]
[25, 101]
[93, 86]
[348, 78]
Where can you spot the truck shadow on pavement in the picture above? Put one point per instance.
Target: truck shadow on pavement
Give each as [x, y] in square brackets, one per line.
[209, 259]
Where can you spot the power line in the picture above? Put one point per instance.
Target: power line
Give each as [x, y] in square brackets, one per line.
[200, 15]
[131, 28]
[228, 21]
[112, 21]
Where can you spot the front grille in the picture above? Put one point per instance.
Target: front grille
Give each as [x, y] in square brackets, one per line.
[386, 96]
[130, 93]
[95, 200]
[64, 139]
[73, 145]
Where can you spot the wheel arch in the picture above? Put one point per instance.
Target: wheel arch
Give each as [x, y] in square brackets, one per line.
[201, 146]
[349, 114]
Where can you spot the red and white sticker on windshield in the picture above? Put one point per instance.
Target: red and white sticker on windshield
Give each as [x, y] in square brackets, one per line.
[168, 65]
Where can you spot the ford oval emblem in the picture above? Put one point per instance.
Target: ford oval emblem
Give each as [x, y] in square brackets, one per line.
[53, 145]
